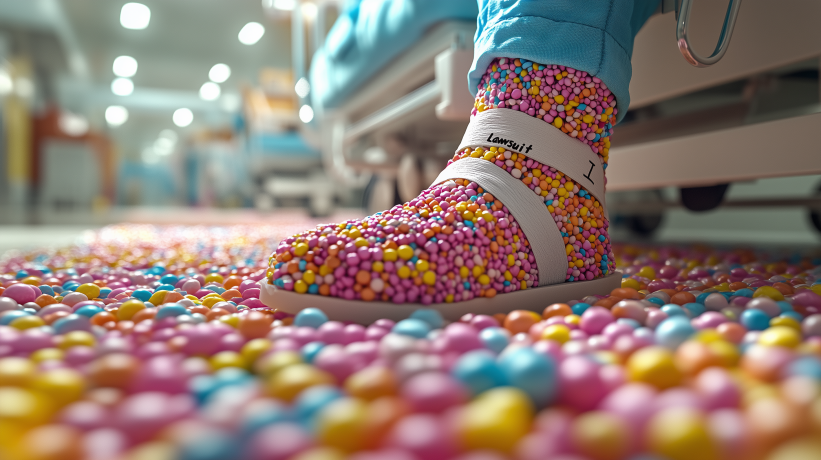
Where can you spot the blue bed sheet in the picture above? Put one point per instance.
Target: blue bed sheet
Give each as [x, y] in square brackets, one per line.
[287, 145]
[367, 35]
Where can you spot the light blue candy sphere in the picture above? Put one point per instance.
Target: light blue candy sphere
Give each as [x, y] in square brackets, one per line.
[673, 331]
[88, 310]
[672, 309]
[495, 338]
[579, 308]
[430, 316]
[412, 327]
[310, 350]
[694, 309]
[310, 317]
[478, 371]
[755, 320]
[168, 311]
[532, 372]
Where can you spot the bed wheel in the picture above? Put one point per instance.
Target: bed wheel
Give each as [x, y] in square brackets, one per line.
[645, 225]
[701, 199]
[815, 215]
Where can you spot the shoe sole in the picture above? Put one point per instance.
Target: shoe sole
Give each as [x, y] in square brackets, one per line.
[358, 311]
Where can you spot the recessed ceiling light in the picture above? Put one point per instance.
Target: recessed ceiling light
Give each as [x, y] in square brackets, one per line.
[122, 86]
[183, 117]
[116, 115]
[302, 88]
[306, 113]
[6, 83]
[125, 66]
[309, 11]
[209, 91]
[135, 16]
[251, 33]
[219, 73]
[75, 125]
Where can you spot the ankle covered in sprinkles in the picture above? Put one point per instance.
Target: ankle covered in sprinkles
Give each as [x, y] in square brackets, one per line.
[454, 241]
[582, 107]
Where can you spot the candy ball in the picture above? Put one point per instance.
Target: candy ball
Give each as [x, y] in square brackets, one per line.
[343, 424]
[412, 327]
[433, 392]
[655, 366]
[531, 372]
[600, 435]
[495, 420]
[430, 316]
[290, 381]
[680, 434]
[781, 336]
[495, 339]
[673, 331]
[310, 317]
[478, 371]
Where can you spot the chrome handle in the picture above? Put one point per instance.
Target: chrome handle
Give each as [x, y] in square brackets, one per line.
[683, 17]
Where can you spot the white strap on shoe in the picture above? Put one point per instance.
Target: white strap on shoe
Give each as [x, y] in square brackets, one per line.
[519, 132]
[527, 207]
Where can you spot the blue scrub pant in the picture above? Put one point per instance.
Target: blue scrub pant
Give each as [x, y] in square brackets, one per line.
[595, 36]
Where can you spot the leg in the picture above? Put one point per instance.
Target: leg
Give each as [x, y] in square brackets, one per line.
[456, 241]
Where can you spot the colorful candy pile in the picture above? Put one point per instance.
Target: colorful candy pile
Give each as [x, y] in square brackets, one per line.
[150, 343]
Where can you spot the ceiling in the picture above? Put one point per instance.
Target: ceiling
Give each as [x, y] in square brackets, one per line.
[183, 40]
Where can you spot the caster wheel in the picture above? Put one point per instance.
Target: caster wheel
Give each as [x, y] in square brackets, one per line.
[699, 199]
[815, 215]
[645, 225]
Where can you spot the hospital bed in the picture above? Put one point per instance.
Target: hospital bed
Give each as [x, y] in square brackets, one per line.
[411, 112]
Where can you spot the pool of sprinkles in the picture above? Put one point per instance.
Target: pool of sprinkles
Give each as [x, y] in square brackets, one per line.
[144, 342]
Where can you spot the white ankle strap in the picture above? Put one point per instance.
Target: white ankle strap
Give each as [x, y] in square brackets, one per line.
[527, 207]
[521, 133]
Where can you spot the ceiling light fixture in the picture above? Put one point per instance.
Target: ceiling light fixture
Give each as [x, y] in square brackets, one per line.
[309, 11]
[135, 16]
[73, 124]
[219, 73]
[302, 88]
[183, 117]
[209, 91]
[306, 113]
[251, 33]
[122, 86]
[125, 66]
[116, 115]
[6, 83]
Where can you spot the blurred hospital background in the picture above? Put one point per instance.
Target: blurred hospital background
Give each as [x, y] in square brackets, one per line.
[236, 111]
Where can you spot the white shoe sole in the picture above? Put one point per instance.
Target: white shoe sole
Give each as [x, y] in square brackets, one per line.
[358, 311]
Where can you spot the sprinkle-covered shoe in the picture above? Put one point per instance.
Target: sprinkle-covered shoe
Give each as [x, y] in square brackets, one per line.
[516, 220]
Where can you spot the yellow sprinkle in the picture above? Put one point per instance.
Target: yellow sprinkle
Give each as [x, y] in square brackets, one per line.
[429, 278]
[403, 272]
[405, 251]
